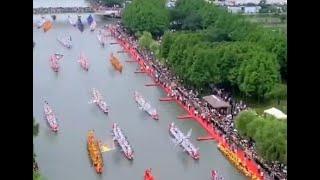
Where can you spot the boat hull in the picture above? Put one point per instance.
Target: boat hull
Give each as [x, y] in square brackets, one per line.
[116, 63]
[50, 118]
[175, 134]
[148, 175]
[154, 116]
[93, 26]
[65, 43]
[116, 133]
[94, 152]
[83, 61]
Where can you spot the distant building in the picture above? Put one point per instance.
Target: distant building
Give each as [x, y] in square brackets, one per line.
[235, 9]
[246, 2]
[171, 3]
[251, 9]
[244, 9]
[278, 2]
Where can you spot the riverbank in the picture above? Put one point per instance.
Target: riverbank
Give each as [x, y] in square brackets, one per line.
[218, 124]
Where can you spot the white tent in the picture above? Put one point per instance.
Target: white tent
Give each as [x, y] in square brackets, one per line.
[276, 113]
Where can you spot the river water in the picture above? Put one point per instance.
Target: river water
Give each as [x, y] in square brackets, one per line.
[64, 156]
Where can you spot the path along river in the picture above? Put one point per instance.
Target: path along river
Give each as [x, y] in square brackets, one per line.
[64, 156]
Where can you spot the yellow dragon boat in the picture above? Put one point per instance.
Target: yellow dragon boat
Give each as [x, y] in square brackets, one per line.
[116, 63]
[47, 26]
[95, 152]
[237, 162]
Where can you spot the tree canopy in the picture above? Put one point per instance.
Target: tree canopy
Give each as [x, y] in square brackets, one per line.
[269, 134]
[242, 64]
[146, 15]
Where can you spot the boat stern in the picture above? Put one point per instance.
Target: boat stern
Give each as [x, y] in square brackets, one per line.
[155, 117]
[196, 155]
[55, 129]
[99, 169]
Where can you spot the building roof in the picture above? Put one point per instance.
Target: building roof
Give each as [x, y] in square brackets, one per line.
[276, 113]
[216, 102]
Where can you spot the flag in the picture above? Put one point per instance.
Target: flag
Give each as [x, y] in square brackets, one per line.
[80, 25]
[105, 148]
[89, 19]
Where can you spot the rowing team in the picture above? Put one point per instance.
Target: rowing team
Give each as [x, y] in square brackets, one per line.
[122, 141]
[148, 175]
[184, 141]
[97, 98]
[66, 41]
[102, 37]
[215, 176]
[84, 62]
[90, 19]
[54, 61]
[145, 106]
[51, 119]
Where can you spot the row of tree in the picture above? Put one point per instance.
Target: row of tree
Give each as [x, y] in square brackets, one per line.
[269, 134]
[242, 64]
[211, 45]
[147, 42]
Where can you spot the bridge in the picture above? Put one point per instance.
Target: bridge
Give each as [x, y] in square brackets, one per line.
[113, 12]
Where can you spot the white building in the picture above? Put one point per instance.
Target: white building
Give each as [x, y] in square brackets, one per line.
[171, 4]
[244, 9]
[235, 9]
[251, 9]
[279, 2]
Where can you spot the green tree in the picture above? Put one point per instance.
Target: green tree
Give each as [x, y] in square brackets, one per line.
[258, 74]
[187, 14]
[155, 48]
[274, 42]
[167, 41]
[269, 134]
[145, 40]
[182, 41]
[242, 121]
[217, 35]
[192, 22]
[254, 127]
[271, 141]
[146, 15]
[230, 50]
[279, 92]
